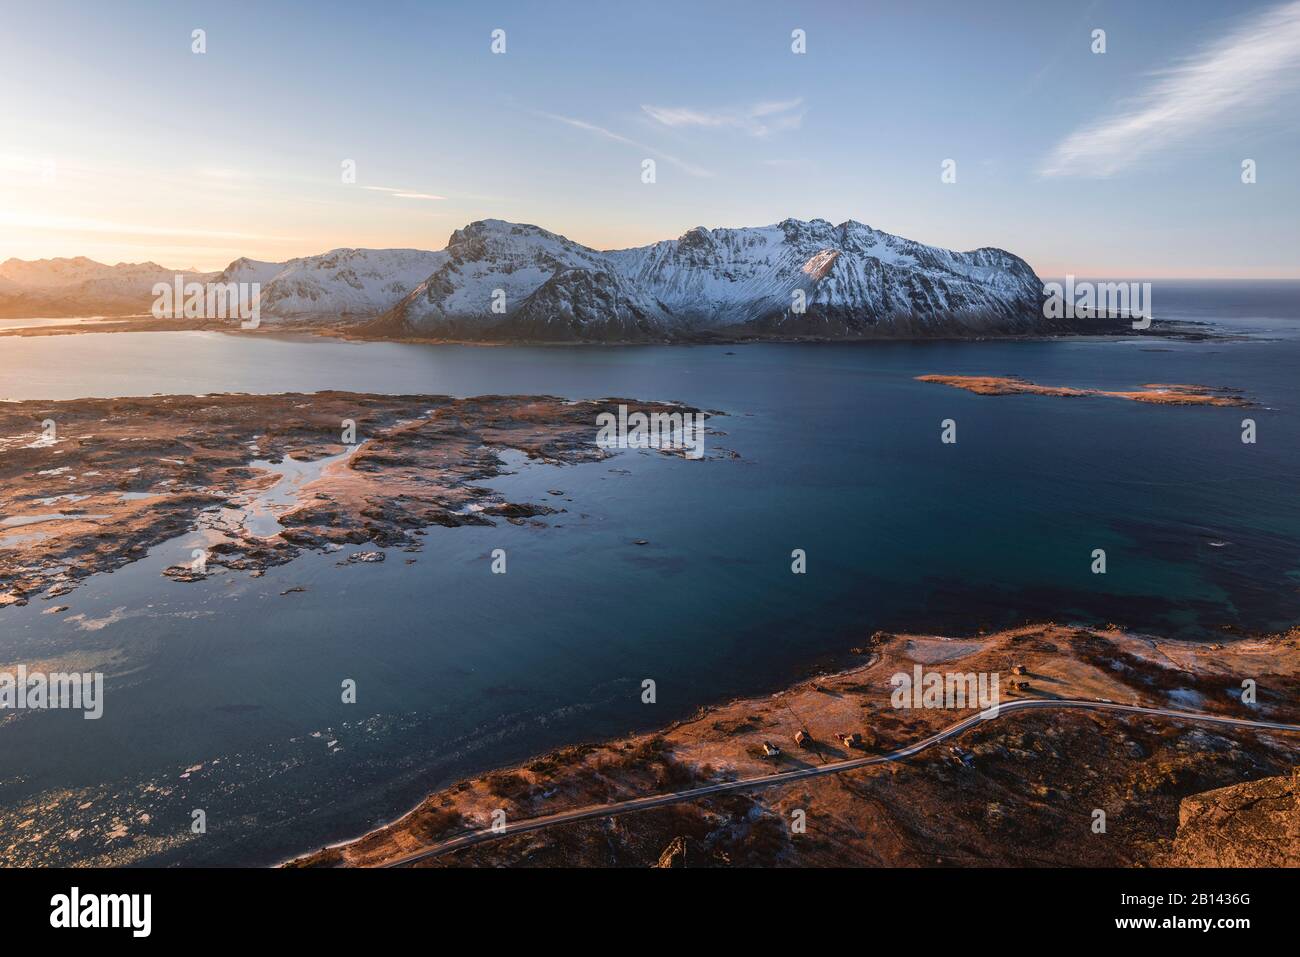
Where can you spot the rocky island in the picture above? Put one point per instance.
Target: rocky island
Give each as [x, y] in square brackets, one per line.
[89, 485]
[1156, 392]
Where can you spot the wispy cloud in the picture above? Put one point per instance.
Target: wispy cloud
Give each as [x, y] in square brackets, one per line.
[398, 193]
[681, 164]
[83, 224]
[759, 119]
[1232, 78]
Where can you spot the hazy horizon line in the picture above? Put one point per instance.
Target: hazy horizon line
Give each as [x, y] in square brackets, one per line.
[1127, 274]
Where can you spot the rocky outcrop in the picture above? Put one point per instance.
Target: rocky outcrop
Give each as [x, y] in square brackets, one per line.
[675, 854]
[1254, 824]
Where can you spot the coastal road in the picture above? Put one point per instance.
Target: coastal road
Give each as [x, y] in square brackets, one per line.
[787, 777]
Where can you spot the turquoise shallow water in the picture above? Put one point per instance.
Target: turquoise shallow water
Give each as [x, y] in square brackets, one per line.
[226, 693]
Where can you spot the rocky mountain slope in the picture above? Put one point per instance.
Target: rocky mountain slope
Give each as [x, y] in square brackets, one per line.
[503, 280]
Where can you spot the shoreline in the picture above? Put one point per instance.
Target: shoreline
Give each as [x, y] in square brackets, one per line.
[698, 712]
[365, 471]
[718, 743]
[1180, 330]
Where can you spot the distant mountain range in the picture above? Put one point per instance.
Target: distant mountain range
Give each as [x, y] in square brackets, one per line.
[505, 281]
[79, 287]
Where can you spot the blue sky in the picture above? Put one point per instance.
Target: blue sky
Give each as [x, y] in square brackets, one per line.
[118, 142]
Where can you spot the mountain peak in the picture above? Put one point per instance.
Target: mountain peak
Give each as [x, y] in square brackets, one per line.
[501, 280]
[506, 280]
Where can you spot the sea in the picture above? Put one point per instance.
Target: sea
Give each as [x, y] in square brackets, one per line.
[223, 696]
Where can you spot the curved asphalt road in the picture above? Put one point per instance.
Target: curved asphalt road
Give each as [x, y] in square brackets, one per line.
[783, 778]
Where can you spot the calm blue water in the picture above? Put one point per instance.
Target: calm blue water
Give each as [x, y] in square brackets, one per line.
[459, 670]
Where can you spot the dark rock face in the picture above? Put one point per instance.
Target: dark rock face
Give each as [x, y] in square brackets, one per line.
[582, 304]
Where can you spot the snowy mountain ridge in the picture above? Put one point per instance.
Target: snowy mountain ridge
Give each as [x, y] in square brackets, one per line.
[342, 283]
[501, 281]
[511, 281]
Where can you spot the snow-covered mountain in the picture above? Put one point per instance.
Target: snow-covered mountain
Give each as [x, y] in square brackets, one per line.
[342, 283]
[501, 280]
[505, 281]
